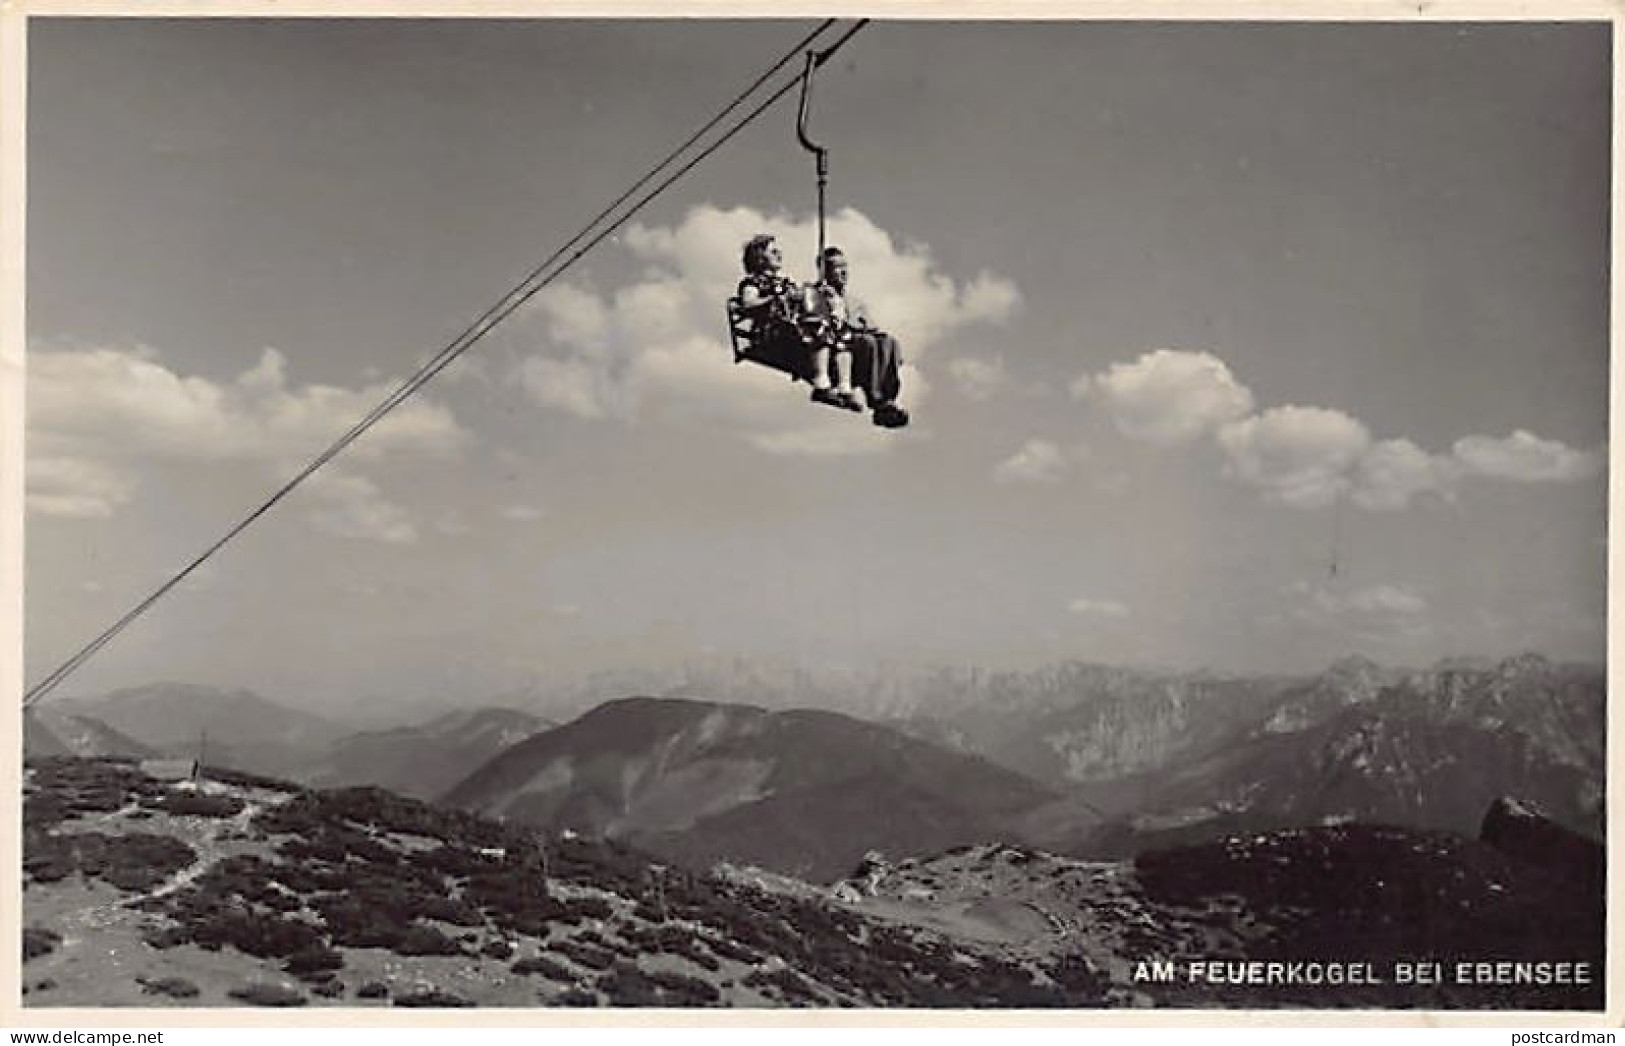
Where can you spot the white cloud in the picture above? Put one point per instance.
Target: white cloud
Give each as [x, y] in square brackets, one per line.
[124, 403]
[657, 347]
[1524, 458]
[573, 386]
[574, 317]
[990, 298]
[352, 506]
[1168, 396]
[1298, 456]
[1387, 599]
[978, 379]
[1394, 471]
[1374, 601]
[75, 488]
[1098, 608]
[97, 415]
[1309, 457]
[1038, 461]
[836, 437]
[523, 513]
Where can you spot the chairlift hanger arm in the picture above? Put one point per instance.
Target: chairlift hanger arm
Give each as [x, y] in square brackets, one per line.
[820, 154]
[815, 60]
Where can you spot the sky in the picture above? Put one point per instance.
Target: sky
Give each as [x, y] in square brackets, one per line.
[1229, 347]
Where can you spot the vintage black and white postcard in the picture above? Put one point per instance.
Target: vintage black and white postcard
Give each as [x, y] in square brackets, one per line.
[898, 513]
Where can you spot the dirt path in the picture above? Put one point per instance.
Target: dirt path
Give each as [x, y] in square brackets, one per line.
[209, 850]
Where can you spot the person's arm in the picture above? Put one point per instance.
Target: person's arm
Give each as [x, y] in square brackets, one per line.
[751, 298]
[857, 315]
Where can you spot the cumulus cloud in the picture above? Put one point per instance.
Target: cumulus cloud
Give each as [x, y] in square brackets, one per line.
[1394, 471]
[1310, 457]
[352, 506]
[657, 347]
[1387, 599]
[1525, 458]
[1110, 608]
[1168, 396]
[75, 488]
[124, 403]
[990, 298]
[978, 379]
[571, 385]
[1038, 461]
[1299, 456]
[1380, 601]
[97, 414]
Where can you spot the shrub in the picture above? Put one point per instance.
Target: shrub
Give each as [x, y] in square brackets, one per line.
[728, 949]
[304, 878]
[418, 939]
[681, 990]
[38, 941]
[431, 997]
[332, 989]
[576, 997]
[676, 940]
[261, 994]
[137, 861]
[447, 860]
[355, 925]
[373, 990]
[45, 810]
[166, 936]
[626, 985]
[199, 804]
[590, 907]
[173, 987]
[548, 968]
[263, 936]
[497, 950]
[585, 954]
[313, 958]
[447, 910]
[794, 987]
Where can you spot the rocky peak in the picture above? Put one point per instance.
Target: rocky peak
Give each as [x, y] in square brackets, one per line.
[1520, 829]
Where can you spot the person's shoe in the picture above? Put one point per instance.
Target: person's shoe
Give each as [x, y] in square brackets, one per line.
[890, 416]
[826, 395]
[849, 400]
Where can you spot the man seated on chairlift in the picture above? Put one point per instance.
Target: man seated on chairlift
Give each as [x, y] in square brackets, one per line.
[872, 357]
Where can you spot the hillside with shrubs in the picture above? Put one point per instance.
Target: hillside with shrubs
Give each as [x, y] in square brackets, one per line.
[234, 890]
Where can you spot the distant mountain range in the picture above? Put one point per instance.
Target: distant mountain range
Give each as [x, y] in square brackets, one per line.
[243, 730]
[421, 761]
[1078, 759]
[803, 792]
[1429, 749]
[50, 731]
[1079, 723]
[236, 728]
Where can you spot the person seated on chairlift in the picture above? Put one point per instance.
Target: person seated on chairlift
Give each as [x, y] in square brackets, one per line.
[844, 323]
[780, 313]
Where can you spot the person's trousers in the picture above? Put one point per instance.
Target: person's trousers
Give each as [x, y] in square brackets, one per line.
[876, 365]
